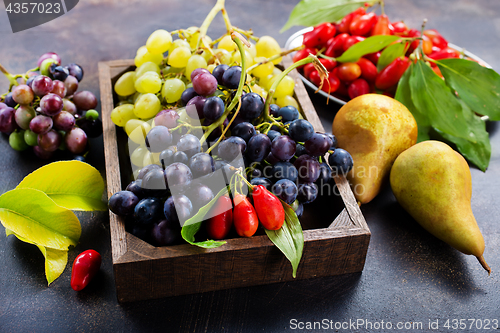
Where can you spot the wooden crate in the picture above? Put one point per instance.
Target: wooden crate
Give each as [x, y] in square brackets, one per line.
[335, 241]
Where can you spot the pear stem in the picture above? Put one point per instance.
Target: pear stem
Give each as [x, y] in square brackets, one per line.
[484, 264]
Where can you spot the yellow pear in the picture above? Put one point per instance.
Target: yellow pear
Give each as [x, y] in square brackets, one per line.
[432, 182]
[374, 129]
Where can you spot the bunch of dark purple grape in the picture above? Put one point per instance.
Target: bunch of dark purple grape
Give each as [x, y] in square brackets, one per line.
[44, 111]
[276, 149]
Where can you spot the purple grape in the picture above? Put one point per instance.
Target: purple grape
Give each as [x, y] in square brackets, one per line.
[204, 84]
[197, 72]
[167, 157]
[51, 104]
[178, 174]
[286, 190]
[167, 118]
[244, 130]
[187, 95]
[307, 192]
[85, 100]
[76, 140]
[158, 139]
[29, 81]
[198, 102]
[271, 159]
[318, 144]
[181, 157]
[48, 55]
[200, 195]
[59, 88]
[252, 105]
[262, 181]
[58, 72]
[219, 71]
[231, 148]
[23, 116]
[49, 141]
[7, 120]
[42, 154]
[165, 233]
[69, 106]
[122, 203]
[189, 144]
[3, 106]
[300, 130]
[231, 77]
[42, 85]
[22, 94]
[178, 208]
[273, 109]
[308, 168]
[259, 146]
[75, 71]
[71, 84]
[146, 169]
[288, 113]
[213, 108]
[284, 170]
[41, 124]
[283, 147]
[64, 121]
[148, 211]
[325, 174]
[340, 160]
[154, 181]
[9, 101]
[201, 164]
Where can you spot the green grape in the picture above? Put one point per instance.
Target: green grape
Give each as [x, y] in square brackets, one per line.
[172, 70]
[196, 61]
[123, 113]
[137, 156]
[136, 96]
[172, 90]
[227, 44]
[147, 67]
[264, 81]
[223, 55]
[143, 56]
[276, 71]
[151, 158]
[45, 65]
[137, 130]
[147, 106]
[194, 35]
[178, 43]
[92, 114]
[287, 100]
[252, 49]
[285, 87]
[124, 86]
[17, 142]
[31, 138]
[149, 82]
[159, 42]
[248, 58]
[267, 47]
[259, 90]
[211, 68]
[264, 69]
[179, 57]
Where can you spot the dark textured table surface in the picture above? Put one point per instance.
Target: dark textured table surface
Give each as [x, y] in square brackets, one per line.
[409, 276]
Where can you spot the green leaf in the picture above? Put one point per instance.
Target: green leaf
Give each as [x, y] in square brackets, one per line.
[367, 46]
[55, 260]
[192, 225]
[313, 12]
[403, 94]
[444, 111]
[74, 185]
[478, 153]
[477, 86]
[289, 238]
[389, 54]
[34, 216]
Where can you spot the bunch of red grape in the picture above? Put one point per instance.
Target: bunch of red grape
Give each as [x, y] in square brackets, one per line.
[44, 111]
[351, 79]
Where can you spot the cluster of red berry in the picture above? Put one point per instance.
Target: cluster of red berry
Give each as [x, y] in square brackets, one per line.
[351, 79]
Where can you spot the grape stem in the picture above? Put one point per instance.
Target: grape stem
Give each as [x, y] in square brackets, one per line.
[274, 57]
[236, 38]
[219, 6]
[225, 129]
[12, 78]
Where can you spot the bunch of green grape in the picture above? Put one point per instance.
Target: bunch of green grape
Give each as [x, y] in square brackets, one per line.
[163, 73]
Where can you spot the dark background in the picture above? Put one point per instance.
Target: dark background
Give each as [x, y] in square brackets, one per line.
[409, 275]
